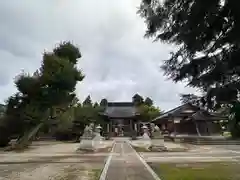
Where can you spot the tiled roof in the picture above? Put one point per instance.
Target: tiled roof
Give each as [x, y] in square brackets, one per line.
[120, 110]
[190, 111]
[204, 115]
[178, 111]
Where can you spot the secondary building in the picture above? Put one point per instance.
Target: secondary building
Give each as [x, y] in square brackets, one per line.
[189, 119]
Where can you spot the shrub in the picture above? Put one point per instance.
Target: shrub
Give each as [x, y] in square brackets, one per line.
[4, 136]
[64, 135]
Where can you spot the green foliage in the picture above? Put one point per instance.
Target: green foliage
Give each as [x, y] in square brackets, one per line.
[40, 95]
[146, 108]
[193, 99]
[206, 33]
[234, 124]
[87, 101]
[68, 51]
[148, 101]
[103, 102]
[65, 125]
[207, 37]
[95, 105]
[148, 113]
[86, 114]
[2, 110]
[72, 121]
[27, 84]
[225, 170]
[4, 132]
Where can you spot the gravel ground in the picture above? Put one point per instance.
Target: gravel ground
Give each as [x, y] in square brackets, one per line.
[50, 161]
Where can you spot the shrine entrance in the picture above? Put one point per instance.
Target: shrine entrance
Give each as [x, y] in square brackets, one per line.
[121, 127]
[121, 118]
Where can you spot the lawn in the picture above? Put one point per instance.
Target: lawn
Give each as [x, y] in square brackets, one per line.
[198, 171]
[96, 174]
[140, 149]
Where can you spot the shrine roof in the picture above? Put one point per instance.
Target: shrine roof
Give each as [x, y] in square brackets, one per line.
[120, 110]
[191, 111]
[180, 110]
[204, 115]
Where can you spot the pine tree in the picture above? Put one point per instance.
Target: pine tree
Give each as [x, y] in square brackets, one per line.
[207, 36]
[87, 101]
[40, 95]
[137, 99]
[148, 101]
[103, 102]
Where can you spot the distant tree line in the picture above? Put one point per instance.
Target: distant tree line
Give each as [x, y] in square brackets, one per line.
[146, 108]
[2, 109]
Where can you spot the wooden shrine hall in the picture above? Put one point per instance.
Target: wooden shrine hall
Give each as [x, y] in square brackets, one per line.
[121, 118]
[189, 119]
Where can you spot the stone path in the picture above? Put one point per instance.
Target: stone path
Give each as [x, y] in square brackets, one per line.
[125, 164]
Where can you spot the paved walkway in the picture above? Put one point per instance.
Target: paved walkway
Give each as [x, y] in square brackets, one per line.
[125, 164]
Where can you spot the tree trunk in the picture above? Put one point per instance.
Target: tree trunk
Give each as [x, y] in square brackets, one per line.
[27, 138]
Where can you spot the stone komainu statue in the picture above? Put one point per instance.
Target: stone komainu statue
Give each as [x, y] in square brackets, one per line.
[88, 131]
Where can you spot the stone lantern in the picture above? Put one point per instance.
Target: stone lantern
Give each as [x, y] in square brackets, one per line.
[98, 130]
[145, 132]
[146, 140]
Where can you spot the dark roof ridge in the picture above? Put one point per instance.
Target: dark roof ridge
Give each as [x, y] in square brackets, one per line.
[120, 104]
[178, 107]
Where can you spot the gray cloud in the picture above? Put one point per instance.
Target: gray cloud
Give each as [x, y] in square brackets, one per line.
[117, 61]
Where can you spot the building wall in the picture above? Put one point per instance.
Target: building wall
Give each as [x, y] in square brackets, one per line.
[186, 127]
[207, 128]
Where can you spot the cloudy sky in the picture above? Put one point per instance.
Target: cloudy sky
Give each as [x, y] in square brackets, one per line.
[117, 61]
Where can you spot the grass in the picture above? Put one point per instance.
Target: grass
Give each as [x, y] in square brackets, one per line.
[73, 173]
[100, 150]
[227, 134]
[140, 149]
[96, 174]
[198, 171]
[104, 150]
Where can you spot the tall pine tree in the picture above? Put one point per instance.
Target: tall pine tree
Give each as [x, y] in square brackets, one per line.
[87, 101]
[207, 39]
[40, 95]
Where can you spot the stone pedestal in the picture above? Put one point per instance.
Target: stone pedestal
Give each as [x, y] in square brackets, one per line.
[86, 141]
[86, 145]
